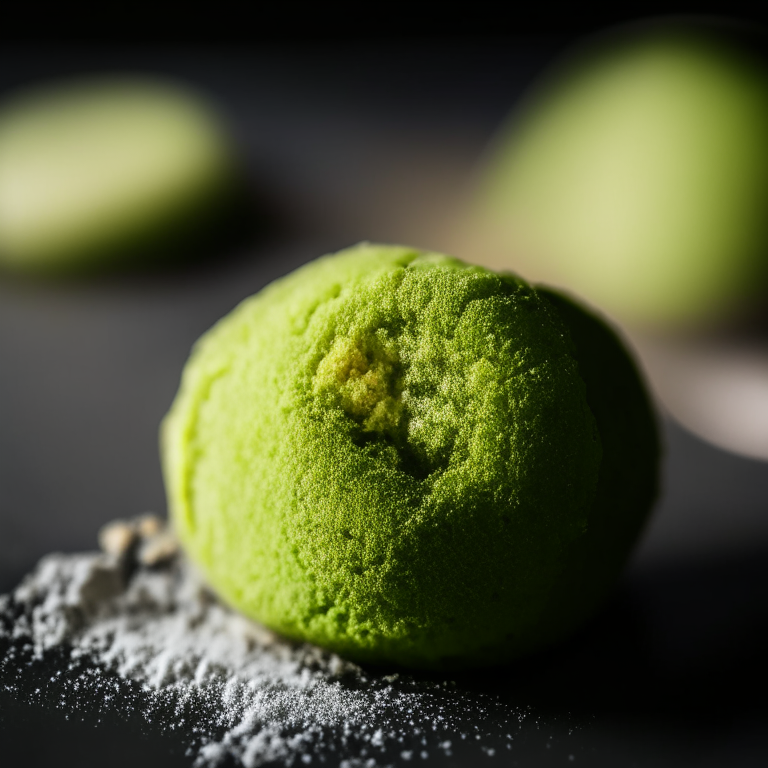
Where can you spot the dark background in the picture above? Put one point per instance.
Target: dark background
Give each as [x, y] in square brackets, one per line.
[346, 123]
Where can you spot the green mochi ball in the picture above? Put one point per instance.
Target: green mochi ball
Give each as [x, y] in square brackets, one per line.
[102, 171]
[637, 175]
[410, 460]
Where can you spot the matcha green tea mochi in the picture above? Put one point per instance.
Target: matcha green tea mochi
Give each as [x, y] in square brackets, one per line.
[410, 460]
[637, 174]
[99, 171]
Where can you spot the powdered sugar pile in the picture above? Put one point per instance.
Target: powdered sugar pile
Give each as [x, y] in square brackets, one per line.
[239, 692]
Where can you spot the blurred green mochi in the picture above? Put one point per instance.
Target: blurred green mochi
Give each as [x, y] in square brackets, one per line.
[409, 460]
[101, 171]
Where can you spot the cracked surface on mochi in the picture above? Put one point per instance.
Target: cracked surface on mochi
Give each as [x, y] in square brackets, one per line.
[389, 453]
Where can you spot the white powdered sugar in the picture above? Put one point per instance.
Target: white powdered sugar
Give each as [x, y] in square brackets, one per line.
[241, 693]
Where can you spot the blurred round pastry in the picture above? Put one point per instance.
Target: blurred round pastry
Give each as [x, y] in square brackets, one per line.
[637, 176]
[95, 172]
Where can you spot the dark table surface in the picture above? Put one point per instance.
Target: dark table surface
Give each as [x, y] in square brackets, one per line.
[342, 143]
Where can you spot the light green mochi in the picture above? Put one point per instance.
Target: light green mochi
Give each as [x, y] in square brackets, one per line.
[395, 455]
[638, 176]
[97, 171]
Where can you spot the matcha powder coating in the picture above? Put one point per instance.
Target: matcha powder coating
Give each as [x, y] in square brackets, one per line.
[410, 460]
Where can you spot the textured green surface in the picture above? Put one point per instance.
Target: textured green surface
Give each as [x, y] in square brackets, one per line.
[94, 171]
[392, 454]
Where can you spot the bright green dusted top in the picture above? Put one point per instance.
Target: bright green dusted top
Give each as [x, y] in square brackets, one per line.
[389, 453]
